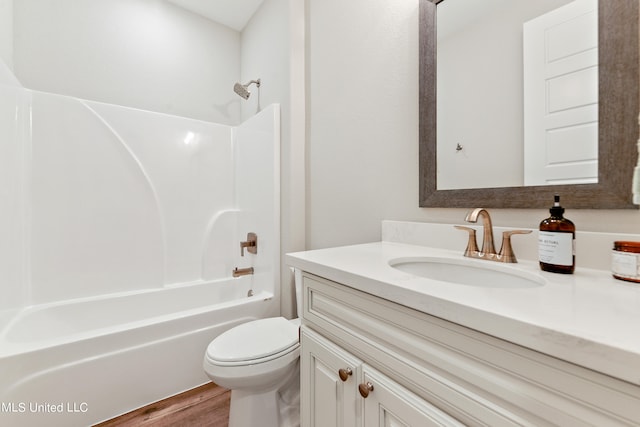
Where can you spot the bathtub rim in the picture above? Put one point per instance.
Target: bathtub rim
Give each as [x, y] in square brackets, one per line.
[10, 348]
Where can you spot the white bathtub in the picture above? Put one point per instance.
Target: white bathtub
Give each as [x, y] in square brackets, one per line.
[80, 362]
[109, 216]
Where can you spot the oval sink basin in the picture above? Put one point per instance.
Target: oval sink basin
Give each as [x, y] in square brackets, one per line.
[485, 274]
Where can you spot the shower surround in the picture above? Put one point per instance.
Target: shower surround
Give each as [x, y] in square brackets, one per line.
[121, 229]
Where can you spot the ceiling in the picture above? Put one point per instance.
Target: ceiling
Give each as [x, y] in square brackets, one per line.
[232, 13]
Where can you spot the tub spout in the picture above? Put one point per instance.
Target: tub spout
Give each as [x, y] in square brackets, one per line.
[237, 272]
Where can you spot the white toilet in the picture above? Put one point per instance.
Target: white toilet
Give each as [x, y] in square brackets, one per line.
[259, 362]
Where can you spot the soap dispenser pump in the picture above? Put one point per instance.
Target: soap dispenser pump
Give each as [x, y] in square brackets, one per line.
[556, 241]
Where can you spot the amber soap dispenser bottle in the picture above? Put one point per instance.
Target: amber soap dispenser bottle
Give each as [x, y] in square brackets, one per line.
[556, 241]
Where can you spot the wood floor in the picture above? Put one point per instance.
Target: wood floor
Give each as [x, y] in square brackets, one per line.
[207, 405]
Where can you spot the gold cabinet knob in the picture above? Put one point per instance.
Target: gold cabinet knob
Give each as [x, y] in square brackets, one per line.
[365, 389]
[345, 373]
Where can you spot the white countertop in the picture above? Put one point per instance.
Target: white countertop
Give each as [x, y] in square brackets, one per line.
[587, 318]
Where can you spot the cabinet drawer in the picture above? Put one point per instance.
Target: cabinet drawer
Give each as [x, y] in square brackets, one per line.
[478, 379]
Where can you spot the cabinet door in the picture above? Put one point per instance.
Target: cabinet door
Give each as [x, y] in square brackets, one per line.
[389, 404]
[329, 383]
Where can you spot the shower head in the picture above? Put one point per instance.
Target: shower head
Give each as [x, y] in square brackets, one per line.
[243, 90]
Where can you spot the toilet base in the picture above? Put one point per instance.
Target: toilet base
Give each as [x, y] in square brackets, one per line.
[276, 407]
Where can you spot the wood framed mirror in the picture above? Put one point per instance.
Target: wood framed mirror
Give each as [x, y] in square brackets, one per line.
[618, 131]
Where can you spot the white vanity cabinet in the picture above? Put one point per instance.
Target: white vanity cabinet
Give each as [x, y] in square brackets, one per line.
[329, 380]
[338, 390]
[426, 371]
[390, 404]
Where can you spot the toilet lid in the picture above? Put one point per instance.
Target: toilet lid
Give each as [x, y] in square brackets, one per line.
[254, 340]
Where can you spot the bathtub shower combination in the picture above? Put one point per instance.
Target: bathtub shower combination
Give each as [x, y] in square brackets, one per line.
[121, 229]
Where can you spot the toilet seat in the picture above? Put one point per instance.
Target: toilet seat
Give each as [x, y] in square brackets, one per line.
[254, 342]
[259, 361]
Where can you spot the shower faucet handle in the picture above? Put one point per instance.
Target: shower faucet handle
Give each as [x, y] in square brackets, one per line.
[251, 244]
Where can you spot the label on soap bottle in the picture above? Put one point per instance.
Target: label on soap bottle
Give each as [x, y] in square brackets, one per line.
[555, 248]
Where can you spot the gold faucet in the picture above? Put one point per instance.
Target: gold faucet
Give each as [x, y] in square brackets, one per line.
[487, 238]
[488, 251]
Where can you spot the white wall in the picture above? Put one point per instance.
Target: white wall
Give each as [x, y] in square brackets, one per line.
[13, 109]
[147, 54]
[363, 128]
[272, 51]
[264, 50]
[363, 115]
[143, 73]
[6, 32]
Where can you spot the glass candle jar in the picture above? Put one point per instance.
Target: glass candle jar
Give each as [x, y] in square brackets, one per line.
[625, 261]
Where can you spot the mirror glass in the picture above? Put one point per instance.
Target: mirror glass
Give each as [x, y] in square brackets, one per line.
[522, 78]
[608, 109]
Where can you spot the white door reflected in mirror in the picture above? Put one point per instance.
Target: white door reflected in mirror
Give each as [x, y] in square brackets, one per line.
[561, 96]
[482, 120]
